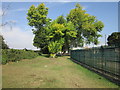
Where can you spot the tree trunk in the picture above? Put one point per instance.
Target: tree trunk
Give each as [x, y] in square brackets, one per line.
[53, 55]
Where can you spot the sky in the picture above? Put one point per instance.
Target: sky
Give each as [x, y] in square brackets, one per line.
[20, 36]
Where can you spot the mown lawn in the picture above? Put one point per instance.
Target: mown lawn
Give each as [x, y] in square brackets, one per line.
[43, 72]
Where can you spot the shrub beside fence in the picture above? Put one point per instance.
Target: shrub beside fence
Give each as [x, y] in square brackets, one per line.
[16, 55]
[105, 59]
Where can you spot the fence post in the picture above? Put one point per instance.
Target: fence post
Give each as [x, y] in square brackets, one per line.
[119, 62]
[102, 52]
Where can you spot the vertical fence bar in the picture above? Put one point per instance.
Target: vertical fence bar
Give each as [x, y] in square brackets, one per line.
[105, 59]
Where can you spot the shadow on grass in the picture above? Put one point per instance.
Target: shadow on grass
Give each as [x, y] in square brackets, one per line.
[48, 56]
[100, 72]
[45, 55]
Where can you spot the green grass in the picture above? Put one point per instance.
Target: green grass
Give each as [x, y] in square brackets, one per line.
[43, 72]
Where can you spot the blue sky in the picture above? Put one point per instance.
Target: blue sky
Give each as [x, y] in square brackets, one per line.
[107, 12]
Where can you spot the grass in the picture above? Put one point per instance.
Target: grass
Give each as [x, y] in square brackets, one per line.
[43, 72]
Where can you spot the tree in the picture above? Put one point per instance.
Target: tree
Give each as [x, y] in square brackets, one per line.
[71, 31]
[87, 26]
[114, 39]
[3, 45]
[69, 34]
[37, 18]
[61, 29]
[55, 47]
[55, 38]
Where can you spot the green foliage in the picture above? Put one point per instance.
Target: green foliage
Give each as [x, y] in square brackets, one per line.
[69, 34]
[56, 32]
[55, 47]
[13, 55]
[60, 20]
[114, 39]
[87, 26]
[37, 18]
[65, 31]
[3, 45]
[75, 30]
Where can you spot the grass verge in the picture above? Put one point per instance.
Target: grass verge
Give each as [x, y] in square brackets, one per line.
[43, 72]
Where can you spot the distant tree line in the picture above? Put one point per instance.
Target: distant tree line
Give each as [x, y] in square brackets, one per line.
[114, 39]
[14, 55]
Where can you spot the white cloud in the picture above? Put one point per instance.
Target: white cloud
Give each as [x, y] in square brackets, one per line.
[17, 38]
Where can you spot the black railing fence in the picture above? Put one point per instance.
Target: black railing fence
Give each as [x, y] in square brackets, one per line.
[106, 60]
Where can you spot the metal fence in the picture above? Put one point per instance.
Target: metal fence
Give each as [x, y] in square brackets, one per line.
[106, 59]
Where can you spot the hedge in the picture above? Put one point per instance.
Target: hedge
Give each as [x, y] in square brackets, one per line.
[14, 55]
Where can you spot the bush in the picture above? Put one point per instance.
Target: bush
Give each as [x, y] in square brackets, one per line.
[16, 55]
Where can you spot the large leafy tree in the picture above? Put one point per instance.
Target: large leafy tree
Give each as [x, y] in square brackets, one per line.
[74, 30]
[37, 18]
[87, 26]
[61, 29]
[69, 34]
[55, 38]
[114, 39]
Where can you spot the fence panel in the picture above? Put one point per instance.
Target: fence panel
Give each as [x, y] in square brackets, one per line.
[105, 59]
